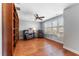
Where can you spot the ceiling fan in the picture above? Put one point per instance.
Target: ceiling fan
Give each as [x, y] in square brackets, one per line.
[38, 17]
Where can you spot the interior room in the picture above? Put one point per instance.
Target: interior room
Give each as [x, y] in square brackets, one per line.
[40, 29]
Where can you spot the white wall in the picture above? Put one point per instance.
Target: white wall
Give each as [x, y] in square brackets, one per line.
[29, 24]
[71, 22]
[0, 29]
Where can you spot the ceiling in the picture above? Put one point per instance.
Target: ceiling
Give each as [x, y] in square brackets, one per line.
[49, 10]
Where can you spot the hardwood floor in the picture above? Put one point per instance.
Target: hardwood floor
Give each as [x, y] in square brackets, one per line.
[39, 47]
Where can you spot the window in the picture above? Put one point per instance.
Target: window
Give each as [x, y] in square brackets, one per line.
[54, 23]
[55, 27]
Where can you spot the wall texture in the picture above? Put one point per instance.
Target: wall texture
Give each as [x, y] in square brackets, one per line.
[71, 22]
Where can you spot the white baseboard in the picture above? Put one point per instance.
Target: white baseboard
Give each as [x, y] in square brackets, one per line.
[56, 41]
[72, 50]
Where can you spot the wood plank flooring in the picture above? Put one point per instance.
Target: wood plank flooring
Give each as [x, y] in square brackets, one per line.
[40, 47]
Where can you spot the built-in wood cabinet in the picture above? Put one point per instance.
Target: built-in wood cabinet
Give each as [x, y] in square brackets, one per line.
[10, 28]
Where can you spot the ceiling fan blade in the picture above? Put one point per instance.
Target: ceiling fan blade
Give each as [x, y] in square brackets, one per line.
[38, 18]
[42, 17]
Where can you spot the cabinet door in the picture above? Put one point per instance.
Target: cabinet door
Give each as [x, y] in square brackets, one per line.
[7, 15]
[10, 28]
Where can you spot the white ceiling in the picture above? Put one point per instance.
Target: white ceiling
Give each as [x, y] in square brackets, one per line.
[48, 10]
